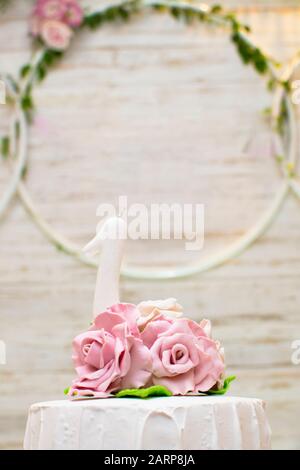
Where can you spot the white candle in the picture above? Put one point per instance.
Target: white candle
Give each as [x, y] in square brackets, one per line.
[110, 241]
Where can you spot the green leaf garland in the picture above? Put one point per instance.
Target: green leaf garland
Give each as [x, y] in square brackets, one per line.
[5, 146]
[250, 54]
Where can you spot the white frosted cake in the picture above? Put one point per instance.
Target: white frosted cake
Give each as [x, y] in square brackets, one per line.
[148, 377]
[207, 422]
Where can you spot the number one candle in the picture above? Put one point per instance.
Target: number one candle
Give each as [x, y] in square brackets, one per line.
[110, 240]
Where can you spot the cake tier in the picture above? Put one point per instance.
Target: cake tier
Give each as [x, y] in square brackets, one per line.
[184, 423]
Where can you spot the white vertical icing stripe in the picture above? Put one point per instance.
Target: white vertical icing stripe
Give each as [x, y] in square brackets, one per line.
[249, 425]
[91, 429]
[160, 431]
[264, 431]
[182, 423]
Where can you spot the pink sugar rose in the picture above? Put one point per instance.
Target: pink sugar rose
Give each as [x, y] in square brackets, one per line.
[50, 9]
[185, 359]
[111, 355]
[56, 34]
[151, 309]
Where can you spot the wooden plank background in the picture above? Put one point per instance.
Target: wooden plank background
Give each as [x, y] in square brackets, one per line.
[159, 112]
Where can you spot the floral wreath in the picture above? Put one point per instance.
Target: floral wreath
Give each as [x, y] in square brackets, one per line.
[54, 23]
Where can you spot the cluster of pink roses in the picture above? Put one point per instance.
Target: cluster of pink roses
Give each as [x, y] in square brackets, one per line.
[132, 346]
[54, 21]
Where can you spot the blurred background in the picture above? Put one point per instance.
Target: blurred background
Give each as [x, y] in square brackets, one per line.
[160, 112]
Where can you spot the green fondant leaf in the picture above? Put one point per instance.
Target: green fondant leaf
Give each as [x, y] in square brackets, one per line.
[154, 391]
[66, 390]
[225, 387]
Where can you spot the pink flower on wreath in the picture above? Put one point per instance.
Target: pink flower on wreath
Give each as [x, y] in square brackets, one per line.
[111, 355]
[74, 13]
[54, 20]
[56, 35]
[50, 9]
[185, 359]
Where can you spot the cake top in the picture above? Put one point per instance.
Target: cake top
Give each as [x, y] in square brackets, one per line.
[149, 349]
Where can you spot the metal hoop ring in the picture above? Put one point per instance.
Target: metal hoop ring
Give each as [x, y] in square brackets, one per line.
[21, 154]
[207, 263]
